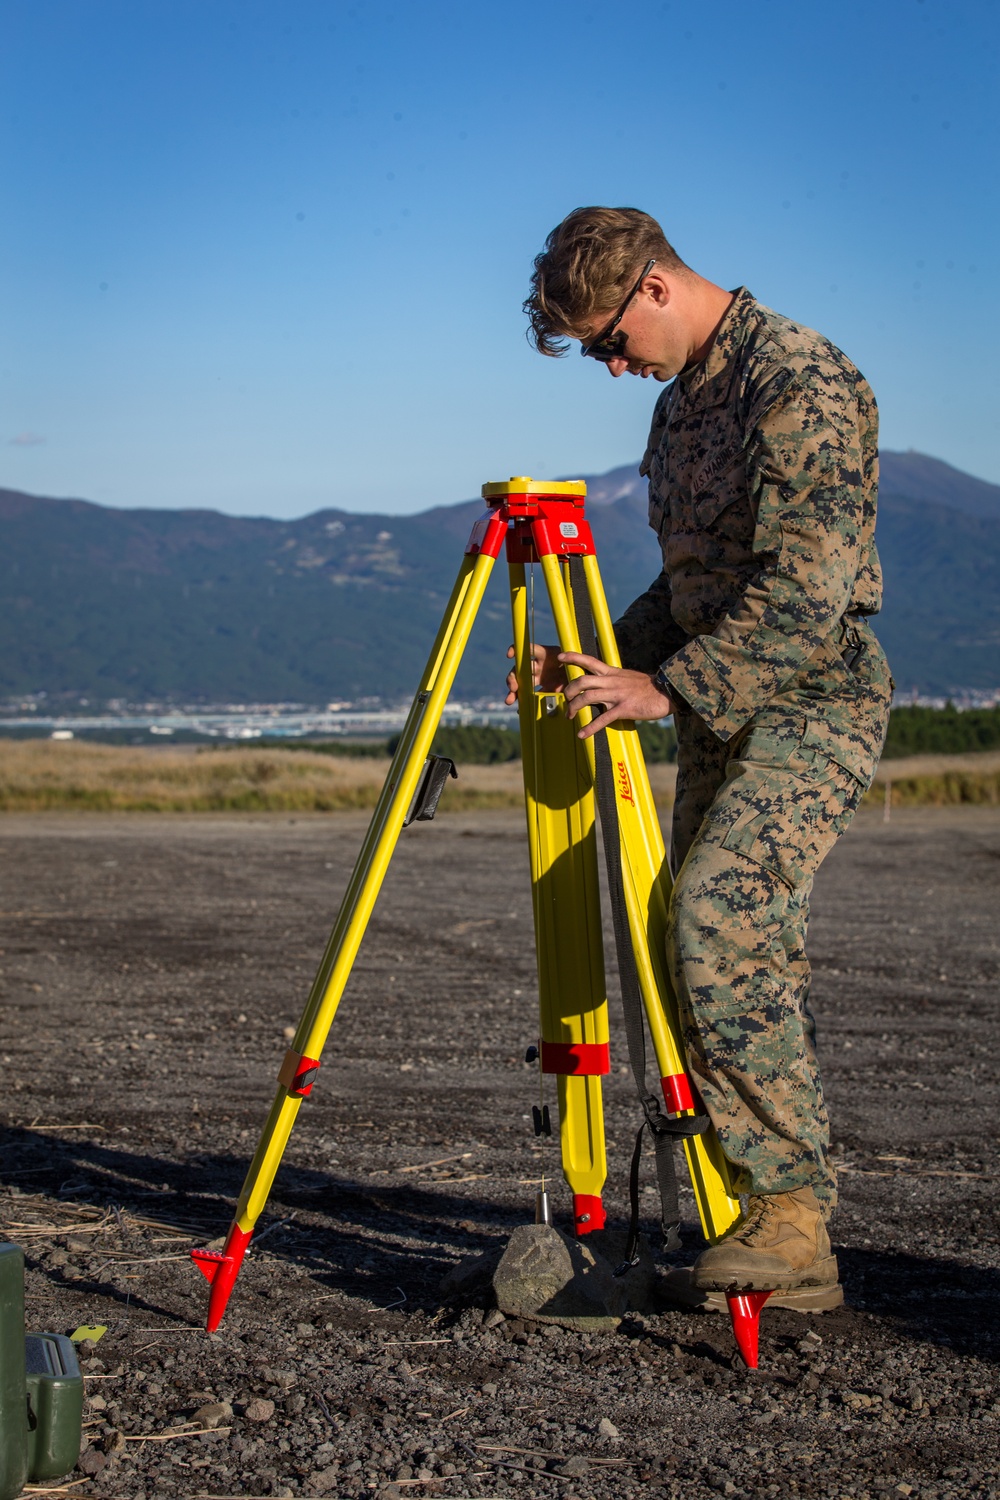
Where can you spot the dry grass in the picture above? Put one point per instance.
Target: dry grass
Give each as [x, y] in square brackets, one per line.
[939, 780]
[46, 775]
[43, 775]
[40, 775]
[977, 763]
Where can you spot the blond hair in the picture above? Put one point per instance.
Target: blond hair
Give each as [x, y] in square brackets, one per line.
[590, 263]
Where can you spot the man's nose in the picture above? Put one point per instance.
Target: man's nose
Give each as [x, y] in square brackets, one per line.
[617, 367]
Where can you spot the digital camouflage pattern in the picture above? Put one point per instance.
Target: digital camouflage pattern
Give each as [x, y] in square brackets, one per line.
[763, 473]
[763, 476]
[753, 820]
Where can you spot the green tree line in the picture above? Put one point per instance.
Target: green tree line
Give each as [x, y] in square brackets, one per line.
[912, 731]
[941, 731]
[483, 744]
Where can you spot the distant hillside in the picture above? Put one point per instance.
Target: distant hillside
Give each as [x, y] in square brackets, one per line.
[918, 477]
[195, 605]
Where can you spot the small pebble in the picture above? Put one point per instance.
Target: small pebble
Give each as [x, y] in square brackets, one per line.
[260, 1409]
[213, 1414]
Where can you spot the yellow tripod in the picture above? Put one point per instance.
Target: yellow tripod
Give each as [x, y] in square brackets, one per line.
[543, 523]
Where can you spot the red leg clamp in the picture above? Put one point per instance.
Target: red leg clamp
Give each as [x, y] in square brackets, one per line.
[588, 1213]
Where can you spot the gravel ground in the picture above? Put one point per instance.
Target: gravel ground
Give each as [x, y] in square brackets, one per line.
[150, 967]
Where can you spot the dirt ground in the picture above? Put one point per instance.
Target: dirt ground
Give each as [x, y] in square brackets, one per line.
[150, 966]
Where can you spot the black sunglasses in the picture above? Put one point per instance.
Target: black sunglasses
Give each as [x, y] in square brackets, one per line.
[604, 347]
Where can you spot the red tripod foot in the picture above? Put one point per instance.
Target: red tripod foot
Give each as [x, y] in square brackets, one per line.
[744, 1309]
[221, 1267]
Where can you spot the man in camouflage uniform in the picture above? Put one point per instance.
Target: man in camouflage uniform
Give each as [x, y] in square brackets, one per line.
[762, 464]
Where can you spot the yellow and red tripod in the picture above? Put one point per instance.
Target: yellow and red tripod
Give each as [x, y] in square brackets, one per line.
[544, 523]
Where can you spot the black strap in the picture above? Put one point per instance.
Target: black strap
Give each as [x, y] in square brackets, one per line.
[661, 1127]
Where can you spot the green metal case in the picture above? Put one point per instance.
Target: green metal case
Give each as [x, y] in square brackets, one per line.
[55, 1404]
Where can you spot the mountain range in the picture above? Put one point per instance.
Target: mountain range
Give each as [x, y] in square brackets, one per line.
[193, 605]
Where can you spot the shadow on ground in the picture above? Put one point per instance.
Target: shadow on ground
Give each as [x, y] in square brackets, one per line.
[365, 1240]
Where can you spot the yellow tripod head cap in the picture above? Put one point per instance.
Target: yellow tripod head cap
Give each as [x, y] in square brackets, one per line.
[521, 484]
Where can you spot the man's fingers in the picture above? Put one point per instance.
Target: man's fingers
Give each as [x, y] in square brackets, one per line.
[610, 716]
[581, 701]
[590, 690]
[577, 659]
[537, 651]
[575, 705]
[577, 685]
[511, 682]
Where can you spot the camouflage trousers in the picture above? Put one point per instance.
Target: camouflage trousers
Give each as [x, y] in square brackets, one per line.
[753, 820]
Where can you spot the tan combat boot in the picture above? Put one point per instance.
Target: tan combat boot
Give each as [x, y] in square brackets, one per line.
[781, 1243]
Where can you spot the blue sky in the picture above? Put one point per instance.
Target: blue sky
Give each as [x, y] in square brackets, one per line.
[268, 255]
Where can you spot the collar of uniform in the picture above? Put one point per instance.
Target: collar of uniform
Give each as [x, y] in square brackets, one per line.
[704, 376]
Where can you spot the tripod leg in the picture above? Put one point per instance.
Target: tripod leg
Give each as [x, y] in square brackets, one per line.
[646, 882]
[647, 892]
[301, 1063]
[573, 1006]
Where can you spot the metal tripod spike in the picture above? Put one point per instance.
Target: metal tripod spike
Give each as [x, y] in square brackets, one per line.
[544, 523]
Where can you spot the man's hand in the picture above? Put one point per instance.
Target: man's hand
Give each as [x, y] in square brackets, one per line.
[546, 671]
[617, 692]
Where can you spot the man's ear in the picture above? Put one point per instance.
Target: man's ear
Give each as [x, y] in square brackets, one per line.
[657, 287]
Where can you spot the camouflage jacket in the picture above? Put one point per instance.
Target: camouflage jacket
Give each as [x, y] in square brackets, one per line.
[763, 474]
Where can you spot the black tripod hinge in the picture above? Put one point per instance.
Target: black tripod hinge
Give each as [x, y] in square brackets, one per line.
[437, 769]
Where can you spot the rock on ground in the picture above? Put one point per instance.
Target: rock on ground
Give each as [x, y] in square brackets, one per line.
[545, 1275]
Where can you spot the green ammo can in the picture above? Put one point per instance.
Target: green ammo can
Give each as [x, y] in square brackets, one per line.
[55, 1405]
